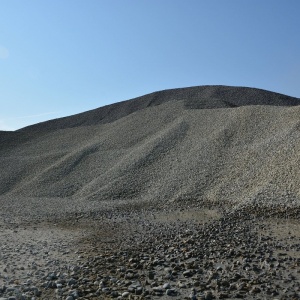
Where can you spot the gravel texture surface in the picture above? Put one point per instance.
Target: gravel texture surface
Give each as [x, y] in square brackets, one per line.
[189, 250]
[185, 194]
[170, 150]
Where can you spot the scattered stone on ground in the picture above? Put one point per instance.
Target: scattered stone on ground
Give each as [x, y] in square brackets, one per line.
[158, 252]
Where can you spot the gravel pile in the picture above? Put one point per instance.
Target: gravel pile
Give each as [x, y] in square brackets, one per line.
[185, 194]
[169, 150]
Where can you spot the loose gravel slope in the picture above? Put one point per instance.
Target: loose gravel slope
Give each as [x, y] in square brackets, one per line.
[180, 144]
[180, 194]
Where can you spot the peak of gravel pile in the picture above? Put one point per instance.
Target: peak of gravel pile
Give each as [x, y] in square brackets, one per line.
[200, 97]
[217, 143]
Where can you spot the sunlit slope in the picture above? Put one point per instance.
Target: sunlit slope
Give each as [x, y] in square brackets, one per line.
[179, 149]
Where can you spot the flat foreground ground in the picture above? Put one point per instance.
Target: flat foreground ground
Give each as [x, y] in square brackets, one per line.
[169, 251]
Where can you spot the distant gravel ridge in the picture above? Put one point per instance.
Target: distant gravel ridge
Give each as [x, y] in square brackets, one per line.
[194, 97]
[214, 143]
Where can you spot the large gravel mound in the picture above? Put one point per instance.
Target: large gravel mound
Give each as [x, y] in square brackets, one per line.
[213, 143]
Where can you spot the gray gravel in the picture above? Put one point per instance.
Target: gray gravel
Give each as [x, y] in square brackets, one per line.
[181, 194]
[158, 252]
[163, 152]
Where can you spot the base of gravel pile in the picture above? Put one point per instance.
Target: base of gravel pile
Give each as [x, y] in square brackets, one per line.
[156, 252]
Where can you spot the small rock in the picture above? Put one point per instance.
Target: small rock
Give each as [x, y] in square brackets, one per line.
[187, 273]
[125, 294]
[171, 292]
[166, 286]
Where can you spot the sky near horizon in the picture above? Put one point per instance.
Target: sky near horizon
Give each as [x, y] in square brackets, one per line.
[58, 58]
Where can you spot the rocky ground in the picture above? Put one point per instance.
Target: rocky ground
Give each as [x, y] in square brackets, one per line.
[176, 251]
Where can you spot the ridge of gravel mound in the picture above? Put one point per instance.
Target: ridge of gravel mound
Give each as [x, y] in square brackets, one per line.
[199, 97]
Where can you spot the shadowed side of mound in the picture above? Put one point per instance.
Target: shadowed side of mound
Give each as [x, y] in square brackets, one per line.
[199, 97]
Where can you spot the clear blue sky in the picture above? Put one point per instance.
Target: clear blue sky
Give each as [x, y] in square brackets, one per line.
[59, 57]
